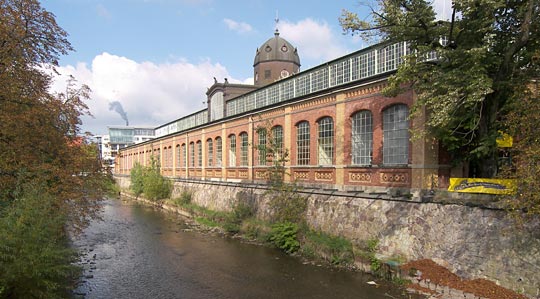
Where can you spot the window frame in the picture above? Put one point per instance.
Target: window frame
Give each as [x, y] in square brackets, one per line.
[209, 152]
[303, 141]
[396, 135]
[244, 142]
[219, 151]
[232, 150]
[261, 146]
[325, 141]
[362, 138]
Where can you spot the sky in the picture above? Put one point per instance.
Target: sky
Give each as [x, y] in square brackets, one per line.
[151, 61]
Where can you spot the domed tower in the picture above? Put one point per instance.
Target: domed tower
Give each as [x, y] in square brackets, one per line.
[275, 59]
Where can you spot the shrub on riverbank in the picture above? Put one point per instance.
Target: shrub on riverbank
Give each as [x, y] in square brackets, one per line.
[284, 235]
[35, 259]
[148, 180]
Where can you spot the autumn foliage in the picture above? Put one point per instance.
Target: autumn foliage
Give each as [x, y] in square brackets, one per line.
[50, 178]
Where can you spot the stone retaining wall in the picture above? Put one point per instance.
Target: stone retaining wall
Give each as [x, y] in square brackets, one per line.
[472, 242]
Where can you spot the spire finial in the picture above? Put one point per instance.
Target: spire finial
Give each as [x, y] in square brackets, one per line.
[277, 21]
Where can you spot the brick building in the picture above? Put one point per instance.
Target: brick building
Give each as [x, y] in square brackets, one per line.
[340, 131]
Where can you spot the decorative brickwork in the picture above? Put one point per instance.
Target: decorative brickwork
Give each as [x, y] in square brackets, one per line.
[301, 175]
[261, 174]
[371, 89]
[364, 177]
[312, 103]
[274, 112]
[324, 175]
[243, 174]
[394, 177]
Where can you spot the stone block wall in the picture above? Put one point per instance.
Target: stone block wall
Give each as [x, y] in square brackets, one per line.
[470, 241]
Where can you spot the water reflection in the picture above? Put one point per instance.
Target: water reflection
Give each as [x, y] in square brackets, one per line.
[138, 252]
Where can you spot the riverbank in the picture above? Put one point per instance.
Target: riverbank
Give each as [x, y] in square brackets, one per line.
[423, 277]
[139, 251]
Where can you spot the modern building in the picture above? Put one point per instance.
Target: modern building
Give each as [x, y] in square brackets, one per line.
[341, 132]
[120, 137]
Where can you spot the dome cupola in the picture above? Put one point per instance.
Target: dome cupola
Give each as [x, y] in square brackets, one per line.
[274, 60]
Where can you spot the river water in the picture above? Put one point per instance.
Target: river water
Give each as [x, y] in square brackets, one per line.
[140, 252]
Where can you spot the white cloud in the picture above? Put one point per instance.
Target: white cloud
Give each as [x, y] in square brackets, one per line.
[239, 27]
[315, 40]
[151, 94]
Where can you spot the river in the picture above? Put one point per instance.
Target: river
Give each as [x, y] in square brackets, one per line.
[140, 252]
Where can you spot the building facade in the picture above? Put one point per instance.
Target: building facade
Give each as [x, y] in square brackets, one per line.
[340, 132]
[120, 137]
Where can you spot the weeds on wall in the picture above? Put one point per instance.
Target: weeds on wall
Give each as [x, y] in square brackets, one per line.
[367, 252]
[332, 249]
[149, 181]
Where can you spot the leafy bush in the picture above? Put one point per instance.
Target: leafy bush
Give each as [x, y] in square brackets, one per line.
[149, 181]
[137, 179]
[185, 197]
[286, 204]
[284, 236]
[35, 259]
[155, 186]
[241, 210]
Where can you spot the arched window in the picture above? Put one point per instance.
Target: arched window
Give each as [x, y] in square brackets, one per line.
[325, 142]
[396, 135]
[199, 153]
[362, 138]
[218, 151]
[192, 154]
[178, 155]
[209, 152]
[157, 154]
[302, 143]
[243, 149]
[262, 146]
[169, 159]
[184, 155]
[277, 143]
[232, 150]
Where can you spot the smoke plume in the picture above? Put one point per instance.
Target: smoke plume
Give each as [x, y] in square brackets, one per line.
[117, 106]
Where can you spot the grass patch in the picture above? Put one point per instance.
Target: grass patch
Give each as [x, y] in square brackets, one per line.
[333, 249]
[206, 222]
[255, 229]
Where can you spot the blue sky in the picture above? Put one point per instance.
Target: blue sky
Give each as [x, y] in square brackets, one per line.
[157, 57]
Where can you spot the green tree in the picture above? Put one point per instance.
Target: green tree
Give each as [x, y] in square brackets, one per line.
[287, 205]
[137, 179]
[485, 61]
[148, 180]
[523, 120]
